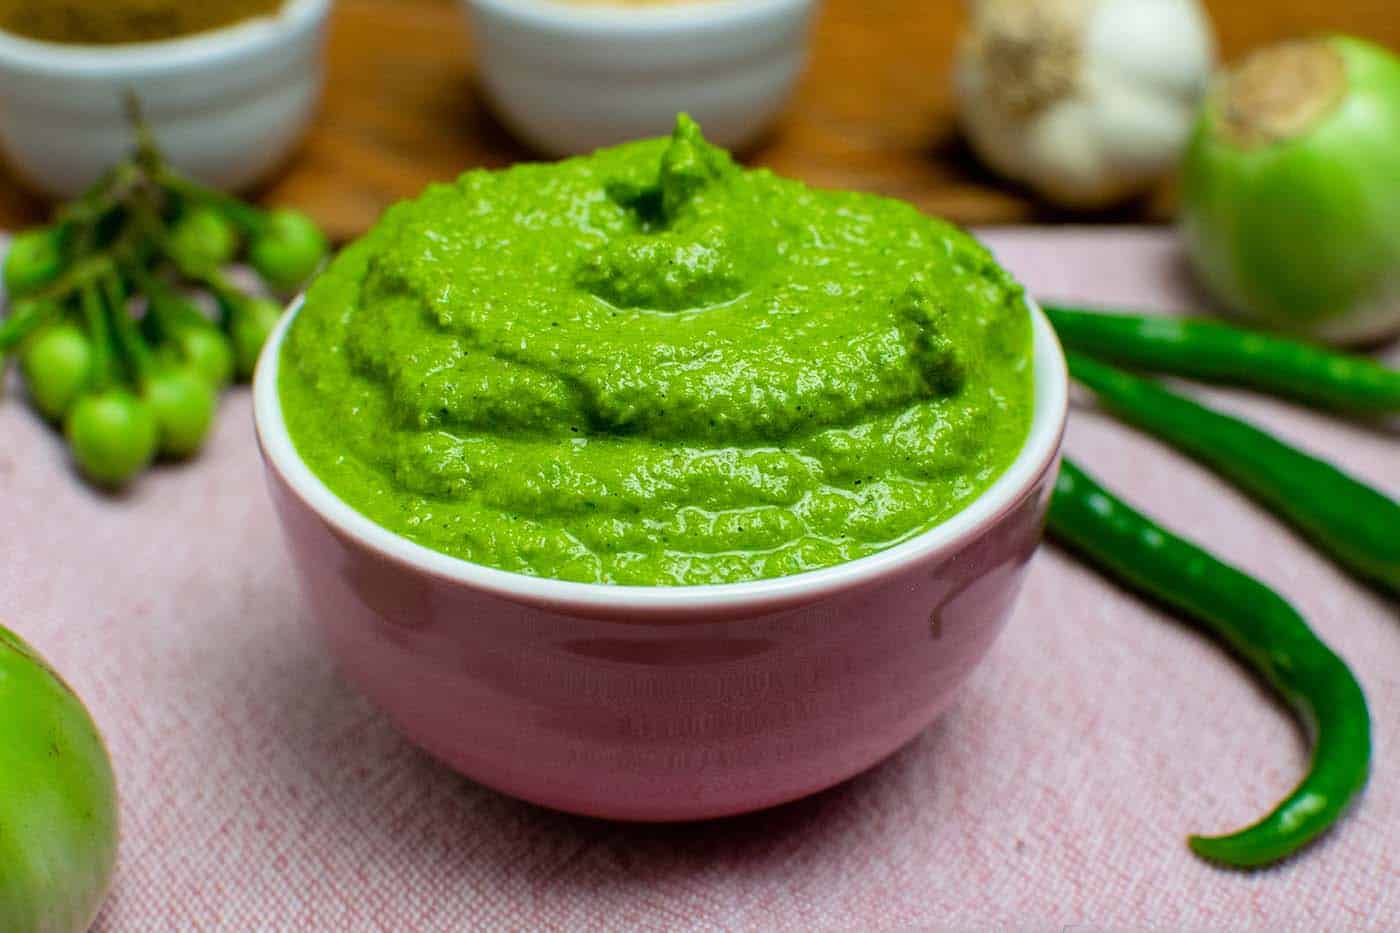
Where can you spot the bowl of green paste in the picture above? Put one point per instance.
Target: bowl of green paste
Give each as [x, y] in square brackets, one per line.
[648, 486]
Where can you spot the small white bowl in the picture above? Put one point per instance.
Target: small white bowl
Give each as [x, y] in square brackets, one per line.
[227, 106]
[569, 78]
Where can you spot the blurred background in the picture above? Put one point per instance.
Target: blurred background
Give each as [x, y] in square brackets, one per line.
[873, 111]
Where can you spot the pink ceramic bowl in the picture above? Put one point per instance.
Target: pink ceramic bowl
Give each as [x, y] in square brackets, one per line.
[664, 703]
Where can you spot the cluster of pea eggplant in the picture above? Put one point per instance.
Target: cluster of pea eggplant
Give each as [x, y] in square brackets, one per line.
[126, 321]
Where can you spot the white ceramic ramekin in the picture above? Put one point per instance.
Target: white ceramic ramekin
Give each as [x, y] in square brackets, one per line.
[663, 703]
[569, 78]
[227, 106]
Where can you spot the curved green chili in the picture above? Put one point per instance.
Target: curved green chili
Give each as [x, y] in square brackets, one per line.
[1263, 629]
[1214, 352]
[1358, 526]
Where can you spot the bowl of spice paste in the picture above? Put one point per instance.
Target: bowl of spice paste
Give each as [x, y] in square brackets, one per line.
[649, 487]
[228, 87]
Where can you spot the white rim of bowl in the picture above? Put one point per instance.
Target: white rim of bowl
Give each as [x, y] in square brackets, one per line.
[1051, 389]
[638, 19]
[136, 58]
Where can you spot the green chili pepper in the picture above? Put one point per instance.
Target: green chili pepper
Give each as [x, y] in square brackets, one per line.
[1263, 629]
[1220, 353]
[1358, 526]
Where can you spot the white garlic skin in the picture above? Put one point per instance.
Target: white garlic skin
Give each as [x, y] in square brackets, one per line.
[1134, 85]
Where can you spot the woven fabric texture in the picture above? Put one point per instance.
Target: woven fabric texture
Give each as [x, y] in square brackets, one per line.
[260, 793]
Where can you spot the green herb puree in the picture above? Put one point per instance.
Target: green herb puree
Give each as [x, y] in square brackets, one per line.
[652, 366]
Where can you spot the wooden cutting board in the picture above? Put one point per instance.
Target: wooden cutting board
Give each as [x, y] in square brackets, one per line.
[873, 112]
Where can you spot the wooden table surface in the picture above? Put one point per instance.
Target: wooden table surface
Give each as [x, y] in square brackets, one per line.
[873, 111]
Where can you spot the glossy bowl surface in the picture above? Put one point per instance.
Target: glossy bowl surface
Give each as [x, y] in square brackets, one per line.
[227, 106]
[570, 78]
[664, 703]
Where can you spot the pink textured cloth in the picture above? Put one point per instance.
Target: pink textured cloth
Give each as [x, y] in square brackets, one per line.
[259, 792]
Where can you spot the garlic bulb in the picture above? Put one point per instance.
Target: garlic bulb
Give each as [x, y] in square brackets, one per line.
[1086, 101]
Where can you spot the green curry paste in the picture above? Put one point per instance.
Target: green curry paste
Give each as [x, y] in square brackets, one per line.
[652, 366]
